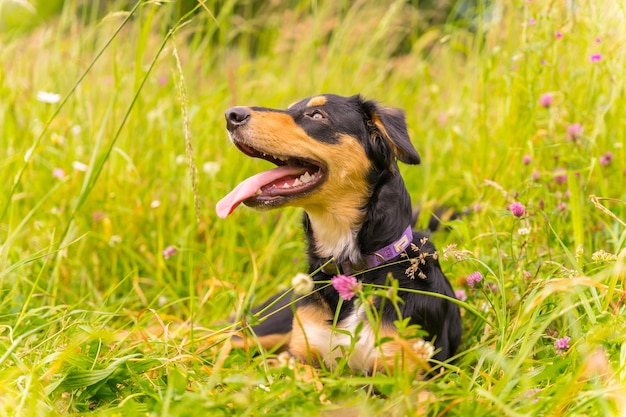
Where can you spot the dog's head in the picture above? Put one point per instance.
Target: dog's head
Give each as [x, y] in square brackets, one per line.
[325, 147]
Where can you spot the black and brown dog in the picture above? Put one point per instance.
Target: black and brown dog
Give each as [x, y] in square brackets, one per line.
[337, 158]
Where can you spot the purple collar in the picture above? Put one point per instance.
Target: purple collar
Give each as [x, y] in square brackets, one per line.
[375, 259]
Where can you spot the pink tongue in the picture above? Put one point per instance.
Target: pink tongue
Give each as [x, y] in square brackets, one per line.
[250, 186]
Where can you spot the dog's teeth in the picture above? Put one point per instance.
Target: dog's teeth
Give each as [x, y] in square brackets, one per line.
[297, 182]
[258, 192]
[286, 185]
[306, 177]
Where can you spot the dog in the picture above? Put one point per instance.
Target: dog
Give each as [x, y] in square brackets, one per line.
[336, 158]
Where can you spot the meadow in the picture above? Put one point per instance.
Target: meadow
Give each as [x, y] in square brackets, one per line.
[117, 278]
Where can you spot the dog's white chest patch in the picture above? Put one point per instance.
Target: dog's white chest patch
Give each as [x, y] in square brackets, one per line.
[335, 239]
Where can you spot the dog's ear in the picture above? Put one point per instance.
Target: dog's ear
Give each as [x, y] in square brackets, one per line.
[389, 124]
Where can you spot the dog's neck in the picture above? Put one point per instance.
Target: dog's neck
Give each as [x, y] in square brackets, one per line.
[352, 237]
[333, 236]
[388, 213]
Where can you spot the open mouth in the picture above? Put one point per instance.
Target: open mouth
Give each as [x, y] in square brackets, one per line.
[293, 177]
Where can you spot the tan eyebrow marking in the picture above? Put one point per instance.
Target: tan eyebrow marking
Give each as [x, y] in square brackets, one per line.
[317, 101]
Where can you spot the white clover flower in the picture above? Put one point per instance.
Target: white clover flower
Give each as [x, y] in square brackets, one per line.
[76, 130]
[302, 284]
[211, 168]
[424, 349]
[47, 97]
[523, 231]
[79, 166]
[286, 360]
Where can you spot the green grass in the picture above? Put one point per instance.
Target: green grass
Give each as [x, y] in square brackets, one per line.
[95, 321]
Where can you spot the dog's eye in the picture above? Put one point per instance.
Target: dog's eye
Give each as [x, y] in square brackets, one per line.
[317, 115]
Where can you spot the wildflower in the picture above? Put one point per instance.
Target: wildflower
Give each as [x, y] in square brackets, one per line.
[474, 278]
[606, 159]
[561, 206]
[346, 286]
[162, 80]
[58, 173]
[443, 118]
[560, 176]
[155, 204]
[526, 159]
[574, 131]
[98, 216]
[596, 57]
[559, 35]
[57, 139]
[603, 256]
[598, 40]
[302, 284]
[162, 301]
[523, 231]
[424, 349]
[169, 252]
[451, 251]
[580, 251]
[211, 168]
[533, 394]
[561, 344]
[76, 130]
[531, 22]
[79, 166]
[286, 360]
[477, 207]
[546, 100]
[415, 266]
[536, 175]
[517, 209]
[460, 295]
[48, 98]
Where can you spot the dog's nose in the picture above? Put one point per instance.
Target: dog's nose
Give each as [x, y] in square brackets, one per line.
[236, 116]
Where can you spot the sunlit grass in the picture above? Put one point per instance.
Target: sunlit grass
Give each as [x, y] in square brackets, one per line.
[98, 182]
